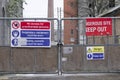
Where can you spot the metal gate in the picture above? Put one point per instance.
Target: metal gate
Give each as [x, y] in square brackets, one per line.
[68, 53]
[27, 59]
[74, 51]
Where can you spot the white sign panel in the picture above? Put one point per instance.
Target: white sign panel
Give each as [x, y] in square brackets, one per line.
[30, 34]
[67, 50]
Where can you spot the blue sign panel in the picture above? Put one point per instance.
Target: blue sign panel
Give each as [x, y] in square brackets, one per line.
[95, 56]
[35, 34]
[37, 42]
[98, 56]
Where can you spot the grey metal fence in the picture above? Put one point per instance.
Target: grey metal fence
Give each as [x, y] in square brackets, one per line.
[68, 53]
[27, 59]
[74, 30]
[74, 51]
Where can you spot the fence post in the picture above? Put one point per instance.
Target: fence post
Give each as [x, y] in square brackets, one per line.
[59, 47]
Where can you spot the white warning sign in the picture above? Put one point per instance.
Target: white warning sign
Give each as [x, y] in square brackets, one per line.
[95, 52]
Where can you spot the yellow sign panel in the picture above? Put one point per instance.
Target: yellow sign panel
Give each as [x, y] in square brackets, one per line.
[98, 49]
[95, 49]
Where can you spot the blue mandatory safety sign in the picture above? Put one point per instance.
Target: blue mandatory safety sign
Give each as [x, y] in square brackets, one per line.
[89, 56]
[95, 56]
[15, 42]
[35, 34]
[38, 42]
[98, 56]
[15, 33]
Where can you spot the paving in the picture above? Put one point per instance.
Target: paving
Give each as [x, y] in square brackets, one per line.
[80, 76]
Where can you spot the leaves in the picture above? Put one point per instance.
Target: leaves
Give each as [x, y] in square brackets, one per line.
[94, 7]
[14, 8]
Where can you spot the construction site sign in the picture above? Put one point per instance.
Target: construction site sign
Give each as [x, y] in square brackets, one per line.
[95, 52]
[30, 34]
[98, 26]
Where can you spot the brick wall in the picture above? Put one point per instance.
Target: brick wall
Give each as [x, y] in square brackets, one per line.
[70, 27]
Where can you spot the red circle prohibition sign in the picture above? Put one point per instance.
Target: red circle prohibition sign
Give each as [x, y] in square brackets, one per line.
[15, 25]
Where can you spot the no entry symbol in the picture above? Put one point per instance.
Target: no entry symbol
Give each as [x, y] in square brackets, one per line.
[15, 25]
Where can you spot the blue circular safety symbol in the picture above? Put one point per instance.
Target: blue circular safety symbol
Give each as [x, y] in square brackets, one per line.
[89, 56]
[15, 33]
[15, 42]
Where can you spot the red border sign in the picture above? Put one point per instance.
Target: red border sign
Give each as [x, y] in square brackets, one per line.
[15, 25]
[98, 26]
[35, 25]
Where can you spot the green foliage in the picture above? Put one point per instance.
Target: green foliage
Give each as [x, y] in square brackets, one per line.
[95, 7]
[14, 8]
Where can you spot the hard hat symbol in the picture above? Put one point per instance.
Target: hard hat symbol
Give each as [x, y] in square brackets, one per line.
[15, 33]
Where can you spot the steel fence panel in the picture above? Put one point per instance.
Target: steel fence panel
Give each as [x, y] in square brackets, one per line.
[79, 26]
[67, 55]
[28, 60]
[74, 55]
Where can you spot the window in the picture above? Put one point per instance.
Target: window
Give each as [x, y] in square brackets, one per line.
[111, 3]
[72, 32]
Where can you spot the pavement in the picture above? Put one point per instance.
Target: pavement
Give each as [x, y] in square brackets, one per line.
[78, 76]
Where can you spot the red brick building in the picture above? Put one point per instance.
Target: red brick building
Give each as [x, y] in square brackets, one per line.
[70, 26]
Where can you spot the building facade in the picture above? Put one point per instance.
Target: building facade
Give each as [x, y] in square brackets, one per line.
[70, 26]
[74, 31]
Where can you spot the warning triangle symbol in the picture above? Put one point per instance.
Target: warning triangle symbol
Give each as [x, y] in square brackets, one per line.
[89, 51]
